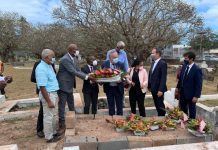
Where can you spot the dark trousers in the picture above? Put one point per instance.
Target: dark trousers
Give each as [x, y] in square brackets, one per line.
[39, 126]
[159, 104]
[139, 97]
[115, 96]
[90, 98]
[187, 105]
[63, 98]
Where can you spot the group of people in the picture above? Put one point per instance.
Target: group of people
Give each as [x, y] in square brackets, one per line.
[55, 90]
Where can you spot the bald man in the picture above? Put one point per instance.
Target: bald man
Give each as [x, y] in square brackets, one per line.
[48, 85]
[68, 70]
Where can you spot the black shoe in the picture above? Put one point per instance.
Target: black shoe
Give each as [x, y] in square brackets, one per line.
[54, 139]
[57, 134]
[40, 134]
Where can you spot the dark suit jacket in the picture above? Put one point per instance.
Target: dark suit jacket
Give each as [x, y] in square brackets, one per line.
[118, 65]
[87, 86]
[192, 84]
[68, 69]
[157, 79]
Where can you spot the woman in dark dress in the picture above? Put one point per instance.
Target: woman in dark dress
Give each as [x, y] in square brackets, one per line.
[138, 79]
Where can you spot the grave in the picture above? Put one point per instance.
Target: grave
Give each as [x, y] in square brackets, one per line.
[98, 134]
[82, 130]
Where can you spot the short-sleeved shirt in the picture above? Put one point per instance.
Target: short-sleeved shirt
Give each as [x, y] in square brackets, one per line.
[45, 76]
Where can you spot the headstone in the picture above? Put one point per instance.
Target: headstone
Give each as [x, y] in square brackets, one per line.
[78, 103]
[70, 120]
[203, 65]
[169, 97]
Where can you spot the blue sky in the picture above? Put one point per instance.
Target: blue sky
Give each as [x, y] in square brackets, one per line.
[41, 10]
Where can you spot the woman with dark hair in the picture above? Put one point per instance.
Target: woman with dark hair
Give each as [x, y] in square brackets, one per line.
[138, 80]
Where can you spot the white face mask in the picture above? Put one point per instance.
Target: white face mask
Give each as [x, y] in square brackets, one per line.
[76, 53]
[53, 60]
[95, 62]
[78, 57]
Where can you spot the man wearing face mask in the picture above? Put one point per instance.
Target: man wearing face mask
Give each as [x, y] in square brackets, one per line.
[68, 69]
[48, 86]
[90, 89]
[114, 90]
[189, 85]
[157, 80]
[122, 57]
[39, 126]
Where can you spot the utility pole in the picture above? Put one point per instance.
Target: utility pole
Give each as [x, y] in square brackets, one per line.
[201, 36]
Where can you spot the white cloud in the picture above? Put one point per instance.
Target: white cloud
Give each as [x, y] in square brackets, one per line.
[34, 10]
[208, 9]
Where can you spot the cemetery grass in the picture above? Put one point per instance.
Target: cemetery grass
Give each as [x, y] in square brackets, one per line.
[22, 88]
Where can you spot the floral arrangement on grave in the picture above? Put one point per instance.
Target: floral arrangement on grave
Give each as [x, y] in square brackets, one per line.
[135, 123]
[200, 126]
[118, 123]
[167, 124]
[176, 114]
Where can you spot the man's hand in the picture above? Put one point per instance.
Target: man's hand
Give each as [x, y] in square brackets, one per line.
[2, 85]
[8, 79]
[133, 83]
[177, 93]
[50, 104]
[194, 100]
[92, 79]
[159, 93]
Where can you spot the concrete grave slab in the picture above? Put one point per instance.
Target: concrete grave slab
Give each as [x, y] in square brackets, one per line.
[84, 142]
[9, 147]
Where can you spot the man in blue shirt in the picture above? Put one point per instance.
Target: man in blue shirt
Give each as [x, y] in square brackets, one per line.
[48, 85]
[122, 57]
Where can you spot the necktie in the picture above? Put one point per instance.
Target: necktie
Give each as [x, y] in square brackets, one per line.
[91, 69]
[185, 75]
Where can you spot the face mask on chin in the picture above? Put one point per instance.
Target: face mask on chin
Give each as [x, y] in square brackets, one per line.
[152, 56]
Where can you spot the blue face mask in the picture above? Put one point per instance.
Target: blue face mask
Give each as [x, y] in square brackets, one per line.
[115, 60]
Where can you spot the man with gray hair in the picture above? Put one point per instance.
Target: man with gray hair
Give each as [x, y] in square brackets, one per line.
[68, 69]
[48, 85]
[114, 90]
[122, 57]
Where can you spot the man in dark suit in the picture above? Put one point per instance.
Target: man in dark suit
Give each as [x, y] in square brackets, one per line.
[90, 89]
[157, 80]
[114, 90]
[189, 85]
[68, 69]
